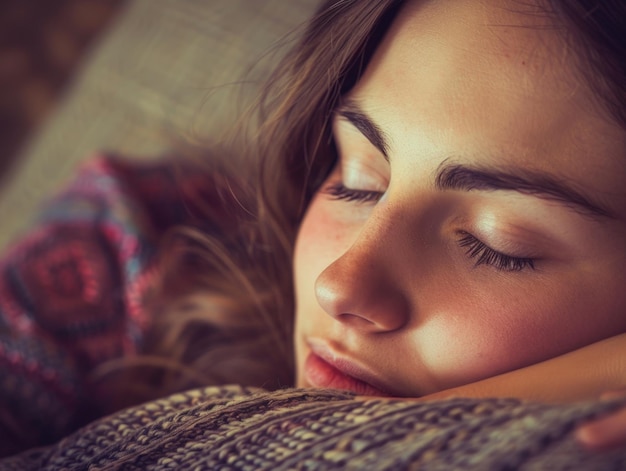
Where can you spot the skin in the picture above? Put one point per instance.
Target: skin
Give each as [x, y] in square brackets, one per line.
[386, 284]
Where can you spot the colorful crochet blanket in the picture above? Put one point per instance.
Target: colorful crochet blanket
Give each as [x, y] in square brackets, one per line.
[71, 291]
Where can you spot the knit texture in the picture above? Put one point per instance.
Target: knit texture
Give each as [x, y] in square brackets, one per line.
[71, 291]
[233, 428]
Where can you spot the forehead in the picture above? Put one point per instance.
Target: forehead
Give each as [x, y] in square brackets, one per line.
[487, 78]
[464, 51]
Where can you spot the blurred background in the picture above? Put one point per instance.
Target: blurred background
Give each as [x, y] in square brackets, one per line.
[133, 78]
[41, 45]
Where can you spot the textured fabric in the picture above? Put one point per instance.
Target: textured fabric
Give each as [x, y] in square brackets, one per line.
[71, 290]
[232, 428]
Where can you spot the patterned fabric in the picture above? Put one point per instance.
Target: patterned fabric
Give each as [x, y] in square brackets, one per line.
[232, 428]
[71, 292]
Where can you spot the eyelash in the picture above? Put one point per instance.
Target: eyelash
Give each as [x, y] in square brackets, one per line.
[475, 249]
[339, 192]
[485, 255]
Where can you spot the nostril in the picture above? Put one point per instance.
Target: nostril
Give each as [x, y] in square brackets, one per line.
[355, 319]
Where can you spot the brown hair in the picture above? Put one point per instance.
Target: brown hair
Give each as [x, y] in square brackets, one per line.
[223, 307]
[596, 30]
[223, 312]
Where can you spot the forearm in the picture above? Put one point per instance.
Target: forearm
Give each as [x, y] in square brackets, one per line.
[582, 374]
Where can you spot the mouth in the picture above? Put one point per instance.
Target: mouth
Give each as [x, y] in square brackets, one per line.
[322, 370]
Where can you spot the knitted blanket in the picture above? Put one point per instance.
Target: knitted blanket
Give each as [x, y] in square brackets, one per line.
[71, 290]
[236, 428]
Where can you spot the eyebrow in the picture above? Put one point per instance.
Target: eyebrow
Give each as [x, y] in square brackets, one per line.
[454, 176]
[351, 111]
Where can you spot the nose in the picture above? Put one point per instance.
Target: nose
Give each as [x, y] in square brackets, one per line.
[358, 291]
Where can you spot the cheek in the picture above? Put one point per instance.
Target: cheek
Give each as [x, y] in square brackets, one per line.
[477, 344]
[322, 239]
[312, 245]
[494, 332]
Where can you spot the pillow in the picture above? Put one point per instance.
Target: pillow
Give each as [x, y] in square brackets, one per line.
[240, 428]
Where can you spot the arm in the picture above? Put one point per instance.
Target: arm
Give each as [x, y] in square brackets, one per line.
[585, 373]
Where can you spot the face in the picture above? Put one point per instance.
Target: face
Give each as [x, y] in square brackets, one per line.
[476, 218]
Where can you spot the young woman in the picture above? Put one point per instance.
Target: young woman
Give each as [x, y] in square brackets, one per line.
[444, 181]
[461, 168]
[474, 221]
[475, 218]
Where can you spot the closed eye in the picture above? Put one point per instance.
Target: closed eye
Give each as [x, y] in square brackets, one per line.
[339, 191]
[485, 255]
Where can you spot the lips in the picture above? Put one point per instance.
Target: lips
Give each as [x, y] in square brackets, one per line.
[340, 374]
